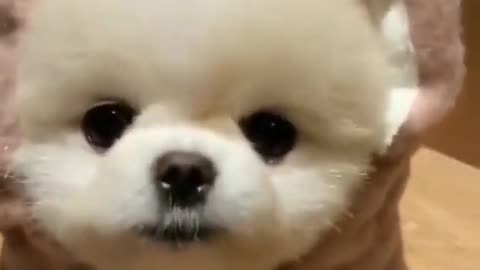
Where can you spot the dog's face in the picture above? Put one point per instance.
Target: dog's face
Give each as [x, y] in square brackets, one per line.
[203, 135]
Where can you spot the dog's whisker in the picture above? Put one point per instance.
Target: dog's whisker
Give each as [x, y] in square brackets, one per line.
[6, 175]
[363, 173]
[170, 201]
[334, 226]
[335, 173]
[337, 229]
[349, 214]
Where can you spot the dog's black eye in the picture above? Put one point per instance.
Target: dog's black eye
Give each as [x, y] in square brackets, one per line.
[105, 123]
[271, 135]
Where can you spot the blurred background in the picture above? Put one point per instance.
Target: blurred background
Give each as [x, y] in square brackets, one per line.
[441, 210]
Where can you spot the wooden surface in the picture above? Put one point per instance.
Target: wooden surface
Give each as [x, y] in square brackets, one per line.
[441, 214]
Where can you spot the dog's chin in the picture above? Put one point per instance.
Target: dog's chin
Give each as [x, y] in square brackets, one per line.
[179, 229]
[154, 246]
[176, 236]
[185, 234]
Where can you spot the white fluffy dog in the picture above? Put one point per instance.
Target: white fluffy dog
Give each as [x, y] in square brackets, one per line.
[206, 135]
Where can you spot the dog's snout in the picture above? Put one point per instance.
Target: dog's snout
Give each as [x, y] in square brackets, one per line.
[183, 179]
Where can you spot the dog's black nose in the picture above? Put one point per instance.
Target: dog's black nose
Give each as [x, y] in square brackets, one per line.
[183, 179]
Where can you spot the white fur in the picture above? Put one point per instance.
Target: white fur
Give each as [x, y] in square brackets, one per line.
[193, 69]
[395, 27]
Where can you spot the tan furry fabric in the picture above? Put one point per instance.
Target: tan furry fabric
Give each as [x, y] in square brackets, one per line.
[368, 239]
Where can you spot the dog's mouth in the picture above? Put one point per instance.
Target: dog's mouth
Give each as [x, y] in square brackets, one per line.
[178, 228]
[176, 236]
